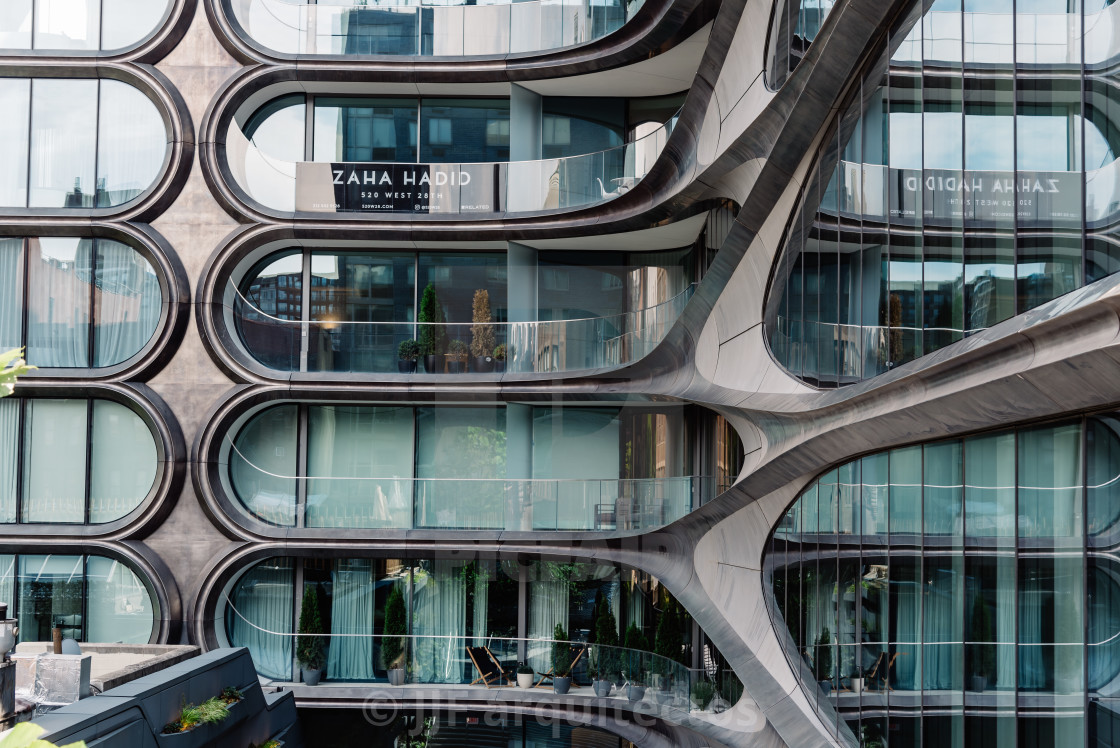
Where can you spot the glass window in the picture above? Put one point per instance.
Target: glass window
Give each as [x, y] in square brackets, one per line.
[123, 461]
[365, 130]
[1051, 624]
[990, 623]
[127, 22]
[943, 486]
[15, 26]
[67, 24]
[990, 487]
[261, 603]
[63, 143]
[1050, 483]
[50, 594]
[359, 460]
[461, 467]
[58, 320]
[454, 130]
[15, 102]
[906, 490]
[132, 141]
[577, 125]
[263, 465]
[989, 281]
[119, 605]
[11, 293]
[54, 490]
[128, 303]
[1102, 440]
[9, 458]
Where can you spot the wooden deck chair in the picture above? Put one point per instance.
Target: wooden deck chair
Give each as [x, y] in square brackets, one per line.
[490, 671]
[578, 652]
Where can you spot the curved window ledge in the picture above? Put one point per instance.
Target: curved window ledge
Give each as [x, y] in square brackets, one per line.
[462, 190]
[554, 346]
[423, 28]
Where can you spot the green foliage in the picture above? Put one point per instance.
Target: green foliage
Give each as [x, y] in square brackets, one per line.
[458, 348]
[561, 652]
[500, 352]
[702, 693]
[408, 350]
[231, 695]
[524, 670]
[606, 634]
[668, 643]
[12, 366]
[482, 331]
[26, 735]
[433, 330]
[212, 711]
[824, 656]
[396, 626]
[635, 639]
[310, 650]
[190, 716]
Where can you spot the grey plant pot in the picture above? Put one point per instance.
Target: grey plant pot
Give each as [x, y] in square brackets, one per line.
[561, 685]
[635, 693]
[483, 364]
[602, 688]
[311, 677]
[396, 676]
[406, 366]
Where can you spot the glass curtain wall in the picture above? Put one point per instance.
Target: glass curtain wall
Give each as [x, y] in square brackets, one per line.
[110, 466]
[77, 143]
[965, 589]
[91, 598]
[451, 604]
[78, 25]
[90, 302]
[793, 28]
[360, 306]
[970, 179]
[458, 467]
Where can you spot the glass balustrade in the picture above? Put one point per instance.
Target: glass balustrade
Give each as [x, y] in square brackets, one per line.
[529, 347]
[442, 189]
[529, 505]
[429, 29]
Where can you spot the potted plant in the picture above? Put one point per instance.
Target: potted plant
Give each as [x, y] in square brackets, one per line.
[310, 651]
[433, 332]
[524, 676]
[824, 661]
[667, 646]
[392, 645]
[457, 357]
[855, 679]
[561, 661]
[606, 634]
[500, 357]
[482, 333]
[407, 354]
[702, 693]
[636, 645]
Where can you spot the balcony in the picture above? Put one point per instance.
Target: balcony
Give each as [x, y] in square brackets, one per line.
[424, 28]
[486, 189]
[547, 347]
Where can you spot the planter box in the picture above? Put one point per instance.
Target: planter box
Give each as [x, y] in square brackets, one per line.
[206, 734]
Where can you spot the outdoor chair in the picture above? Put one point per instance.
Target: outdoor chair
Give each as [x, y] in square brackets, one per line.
[578, 652]
[490, 671]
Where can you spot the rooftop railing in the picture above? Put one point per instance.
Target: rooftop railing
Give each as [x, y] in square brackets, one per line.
[462, 189]
[426, 28]
[529, 347]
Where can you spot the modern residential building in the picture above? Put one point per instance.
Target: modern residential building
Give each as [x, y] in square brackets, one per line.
[754, 362]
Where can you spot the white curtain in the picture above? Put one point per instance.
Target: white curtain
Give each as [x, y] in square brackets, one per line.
[119, 607]
[262, 464]
[439, 623]
[54, 489]
[128, 303]
[1050, 481]
[11, 293]
[131, 143]
[123, 462]
[351, 657]
[548, 606]
[481, 604]
[9, 458]
[942, 658]
[906, 623]
[261, 602]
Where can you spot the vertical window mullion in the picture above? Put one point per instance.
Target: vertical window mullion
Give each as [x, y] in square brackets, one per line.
[300, 519]
[96, 156]
[25, 311]
[21, 421]
[30, 124]
[93, 270]
[89, 460]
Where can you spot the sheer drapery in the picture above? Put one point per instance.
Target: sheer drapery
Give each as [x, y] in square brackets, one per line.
[351, 657]
[906, 490]
[128, 302]
[944, 615]
[59, 302]
[942, 489]
[261, 601]
[1104, 628]
[439, 622]
[11, 294]
[9, 459]
[360, 458]
[262, 465]
[119, 606]
[548, 606]
[54, 474]
[1103, 501]
[990, 493]
[123, 466]
[463, 453]
[1050, 482]
[481, 603]
[131, 143]
[906, 621]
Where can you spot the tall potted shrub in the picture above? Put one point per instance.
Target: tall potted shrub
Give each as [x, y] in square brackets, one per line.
[606, 637]
[667, 646]
[310, 651]
[433, 331]
[561, 661]
[482, 332]
[824, 661]
[392, 644]
[636, 645]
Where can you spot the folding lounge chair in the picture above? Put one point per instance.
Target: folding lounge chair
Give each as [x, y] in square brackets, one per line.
[490, 671]
[578, 652]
